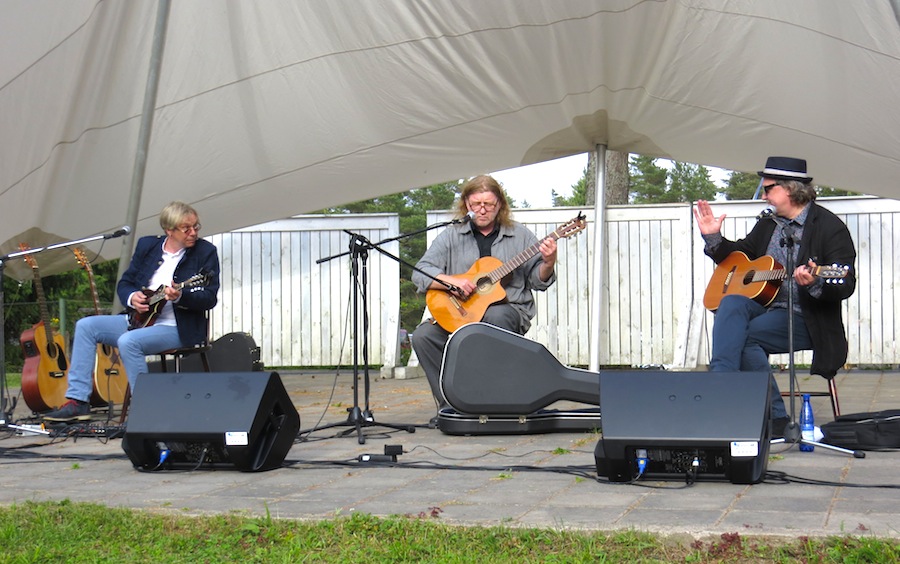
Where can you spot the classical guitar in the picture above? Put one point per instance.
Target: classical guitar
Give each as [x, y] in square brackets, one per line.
[45, 370]
[758, 279]
[452, 312]
[157, 299]
[110, 380]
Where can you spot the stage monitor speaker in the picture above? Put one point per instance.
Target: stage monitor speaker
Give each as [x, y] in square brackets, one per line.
[240, 420]
[709, 425]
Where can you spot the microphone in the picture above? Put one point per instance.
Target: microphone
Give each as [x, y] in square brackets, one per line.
[765, 213]
[465, 219]
[125, 230]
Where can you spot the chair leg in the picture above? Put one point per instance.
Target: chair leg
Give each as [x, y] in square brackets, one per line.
[835, 404]
[205, 358]
[126, 403]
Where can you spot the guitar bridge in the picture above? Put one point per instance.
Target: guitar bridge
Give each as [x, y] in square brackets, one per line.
[459, 307]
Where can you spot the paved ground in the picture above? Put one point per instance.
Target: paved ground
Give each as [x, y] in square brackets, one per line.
[541, 480]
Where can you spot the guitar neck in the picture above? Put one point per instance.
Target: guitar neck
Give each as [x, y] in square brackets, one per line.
[498, 273]
[90, 272]
[42, 304]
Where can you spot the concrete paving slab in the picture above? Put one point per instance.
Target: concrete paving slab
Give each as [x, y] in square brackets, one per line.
[539, 480]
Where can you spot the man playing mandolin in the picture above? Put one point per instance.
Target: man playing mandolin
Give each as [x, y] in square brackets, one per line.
[745, 332]
[484, 229]
[184, 271]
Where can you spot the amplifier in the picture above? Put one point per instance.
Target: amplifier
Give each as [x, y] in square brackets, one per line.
[684, 425]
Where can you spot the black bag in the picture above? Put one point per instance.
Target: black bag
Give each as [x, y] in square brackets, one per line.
[877, 430]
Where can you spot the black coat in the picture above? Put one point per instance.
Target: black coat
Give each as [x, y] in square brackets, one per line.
[827, 241]
[190, 311]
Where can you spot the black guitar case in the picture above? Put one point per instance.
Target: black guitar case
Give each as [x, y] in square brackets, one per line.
[233, 352]
[499, 382]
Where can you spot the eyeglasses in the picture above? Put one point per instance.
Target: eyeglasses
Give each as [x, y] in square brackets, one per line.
[488, 206]
[188, 228]
[768, 187]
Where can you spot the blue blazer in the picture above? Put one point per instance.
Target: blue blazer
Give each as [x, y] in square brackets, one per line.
[190, 311]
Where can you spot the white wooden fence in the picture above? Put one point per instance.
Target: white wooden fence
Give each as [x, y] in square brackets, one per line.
[655, 276]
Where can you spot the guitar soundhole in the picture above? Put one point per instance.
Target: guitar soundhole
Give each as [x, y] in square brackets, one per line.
[748, 277]
[484, 285]
[54, 353]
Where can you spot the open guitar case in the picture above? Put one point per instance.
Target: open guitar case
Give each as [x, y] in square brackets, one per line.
[500, 383]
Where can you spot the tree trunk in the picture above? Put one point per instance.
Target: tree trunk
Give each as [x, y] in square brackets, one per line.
[617, 178]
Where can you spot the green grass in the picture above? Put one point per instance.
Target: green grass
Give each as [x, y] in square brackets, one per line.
[14, 379]
[78, 532]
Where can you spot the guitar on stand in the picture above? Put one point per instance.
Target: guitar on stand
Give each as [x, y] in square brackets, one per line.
[110, 380]
[452, 312]
[758, 279]
[45, 371]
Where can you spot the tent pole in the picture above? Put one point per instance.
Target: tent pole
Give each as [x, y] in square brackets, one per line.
[140, 158]
[597, 274]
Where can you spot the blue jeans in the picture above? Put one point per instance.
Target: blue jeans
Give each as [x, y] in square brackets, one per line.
[746, 333]
[112, 330]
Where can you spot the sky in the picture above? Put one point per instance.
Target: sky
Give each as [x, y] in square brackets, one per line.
[534, 183]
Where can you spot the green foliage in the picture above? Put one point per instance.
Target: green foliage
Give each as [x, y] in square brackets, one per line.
[741, 185]
[653, 184]
[648, 180]
[411, 207]
[79, 532]
[72, 287]
[579, 193]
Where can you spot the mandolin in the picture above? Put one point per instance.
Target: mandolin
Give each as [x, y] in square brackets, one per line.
[452, 312]
[45, 371]
[110, 380]
[156, 301]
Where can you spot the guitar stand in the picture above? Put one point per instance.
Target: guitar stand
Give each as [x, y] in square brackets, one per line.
[359, 417]
[7, 405]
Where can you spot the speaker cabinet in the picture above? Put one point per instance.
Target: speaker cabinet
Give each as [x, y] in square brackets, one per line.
[240, 420]
[682, 424]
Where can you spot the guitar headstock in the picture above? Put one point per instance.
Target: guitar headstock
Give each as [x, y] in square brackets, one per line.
[28, 258]
[572, 227]
[833, 274]
[82, 259]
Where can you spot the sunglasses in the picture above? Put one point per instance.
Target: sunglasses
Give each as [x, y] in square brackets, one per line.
[768, 187]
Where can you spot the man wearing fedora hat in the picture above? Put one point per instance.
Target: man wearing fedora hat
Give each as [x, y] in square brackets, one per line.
[745, 332]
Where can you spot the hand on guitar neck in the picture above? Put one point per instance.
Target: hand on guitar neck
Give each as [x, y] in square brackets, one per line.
[147, 304]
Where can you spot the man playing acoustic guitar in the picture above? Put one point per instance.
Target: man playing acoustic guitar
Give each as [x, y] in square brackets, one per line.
[485, 229]
[745, 332]
[184, 270]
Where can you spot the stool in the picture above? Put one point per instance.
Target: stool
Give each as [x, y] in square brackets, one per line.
[831, 393]
[180, 353]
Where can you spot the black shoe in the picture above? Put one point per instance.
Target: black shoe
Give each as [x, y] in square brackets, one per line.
[72, 410]
[778, 426]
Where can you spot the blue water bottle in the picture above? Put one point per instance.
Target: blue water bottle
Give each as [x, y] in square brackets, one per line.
[807, 425]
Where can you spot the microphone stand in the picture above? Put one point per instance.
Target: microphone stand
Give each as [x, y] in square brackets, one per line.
[359, 417]
[792, 430]
[7, 411]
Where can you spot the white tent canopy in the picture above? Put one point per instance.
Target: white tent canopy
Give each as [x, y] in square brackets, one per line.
[271, 108]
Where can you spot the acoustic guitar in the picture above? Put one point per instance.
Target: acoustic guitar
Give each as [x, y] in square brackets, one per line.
[157, 299]
[758, 279]
[110, 380]
[452, 312]
[45, 370]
